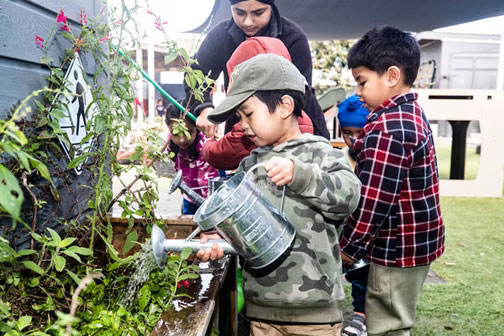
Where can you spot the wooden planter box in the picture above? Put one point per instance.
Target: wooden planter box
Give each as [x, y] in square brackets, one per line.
[215, 298]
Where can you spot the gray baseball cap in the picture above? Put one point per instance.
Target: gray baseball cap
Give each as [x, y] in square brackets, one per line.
[264, 72]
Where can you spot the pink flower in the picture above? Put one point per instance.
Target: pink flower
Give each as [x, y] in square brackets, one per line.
[39, 41]
[184, 283]
[137, 102]
[83, 17]
[149, 12]
[103, 39]
[118, 22]
[62, 17]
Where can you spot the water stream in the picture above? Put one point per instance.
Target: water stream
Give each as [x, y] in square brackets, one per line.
[143, 265]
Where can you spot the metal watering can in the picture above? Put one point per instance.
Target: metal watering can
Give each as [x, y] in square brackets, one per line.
[250, 224]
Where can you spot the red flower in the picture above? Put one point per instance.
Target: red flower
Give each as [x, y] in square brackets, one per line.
[39, 41]
[137, 102]
[184, 283]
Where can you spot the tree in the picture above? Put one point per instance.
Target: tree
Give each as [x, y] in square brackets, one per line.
[330, 57]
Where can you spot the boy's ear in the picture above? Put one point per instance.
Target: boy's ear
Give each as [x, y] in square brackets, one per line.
[393, 76]
[287, 107]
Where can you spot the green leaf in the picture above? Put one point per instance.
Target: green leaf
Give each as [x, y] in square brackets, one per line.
[113, 252]
[4, 308]
[79, 160]
[22, 253]
[190, 81]
[145, 295]
[80, 250]
[188, 276]
[186, 252]
[130, 242]
[73, 276]
[45, 60]
[184, 54]
[66, 242]
[11, 196]
[24, 160]
[42, 169]
[73, 255]
[34, 282]
[57, 113]
[59, 262]
[37, 237]
[170, 56]
[34, 267]
[55, 236]
[23, 322]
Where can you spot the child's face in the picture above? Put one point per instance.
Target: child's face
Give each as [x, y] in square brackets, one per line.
[181, 140]
[372, 88]
[261, 126]
[348, 132]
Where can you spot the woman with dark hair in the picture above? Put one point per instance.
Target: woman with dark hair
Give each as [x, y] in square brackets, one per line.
[253, 18]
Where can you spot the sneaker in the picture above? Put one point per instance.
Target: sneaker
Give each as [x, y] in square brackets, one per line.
[357, 326]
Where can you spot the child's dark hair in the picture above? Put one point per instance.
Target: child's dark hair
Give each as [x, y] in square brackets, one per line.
[383, 47]
[173, 112]
[273, 98]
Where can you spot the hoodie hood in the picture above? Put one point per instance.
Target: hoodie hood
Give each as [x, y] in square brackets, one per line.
[255, 46]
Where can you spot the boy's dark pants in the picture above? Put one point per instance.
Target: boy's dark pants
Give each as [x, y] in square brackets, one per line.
[358, 278]
[189, 208]
[392, 294]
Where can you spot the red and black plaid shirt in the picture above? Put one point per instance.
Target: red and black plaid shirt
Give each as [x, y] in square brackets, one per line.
[398, 221]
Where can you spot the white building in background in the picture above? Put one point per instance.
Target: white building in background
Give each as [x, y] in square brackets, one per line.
[460, 61]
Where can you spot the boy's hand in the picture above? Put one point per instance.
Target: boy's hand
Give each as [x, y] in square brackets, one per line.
[280, 170]
[345, 260]
[213, 253]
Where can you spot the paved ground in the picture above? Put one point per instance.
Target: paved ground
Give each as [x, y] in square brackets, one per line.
[168, 205]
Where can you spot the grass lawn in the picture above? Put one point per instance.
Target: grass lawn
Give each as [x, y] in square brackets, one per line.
[472, 302]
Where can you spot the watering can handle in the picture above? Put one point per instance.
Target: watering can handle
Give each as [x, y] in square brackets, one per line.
[261, 164]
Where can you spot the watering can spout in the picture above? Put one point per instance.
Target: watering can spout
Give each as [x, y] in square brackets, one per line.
[161, 246]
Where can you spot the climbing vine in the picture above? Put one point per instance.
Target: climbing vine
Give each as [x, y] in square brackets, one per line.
[70, 281]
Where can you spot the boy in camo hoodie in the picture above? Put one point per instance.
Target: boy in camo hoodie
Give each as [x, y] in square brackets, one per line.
[301, 295]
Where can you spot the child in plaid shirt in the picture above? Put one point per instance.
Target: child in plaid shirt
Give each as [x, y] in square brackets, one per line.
[398, 223]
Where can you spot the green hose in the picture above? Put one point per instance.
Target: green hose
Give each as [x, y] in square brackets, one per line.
[241, 299]
[156, 85]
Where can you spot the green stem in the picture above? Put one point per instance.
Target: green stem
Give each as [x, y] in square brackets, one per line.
[174, 291]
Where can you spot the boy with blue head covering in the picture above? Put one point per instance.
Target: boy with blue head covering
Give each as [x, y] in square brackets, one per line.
[352, 117]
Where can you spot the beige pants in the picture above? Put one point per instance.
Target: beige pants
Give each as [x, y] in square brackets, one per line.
[391, 299]
[271, 329]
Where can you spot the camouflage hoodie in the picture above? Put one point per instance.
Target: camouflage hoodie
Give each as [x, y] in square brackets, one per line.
[306, 287]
